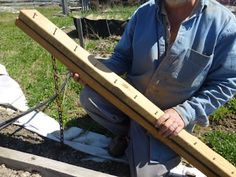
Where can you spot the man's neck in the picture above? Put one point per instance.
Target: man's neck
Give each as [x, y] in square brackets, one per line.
[177, 14]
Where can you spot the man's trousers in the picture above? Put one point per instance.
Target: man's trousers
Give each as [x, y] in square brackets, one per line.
[147, 156]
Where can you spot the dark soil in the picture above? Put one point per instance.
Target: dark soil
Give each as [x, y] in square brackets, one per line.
[17, 138]
[228, 124]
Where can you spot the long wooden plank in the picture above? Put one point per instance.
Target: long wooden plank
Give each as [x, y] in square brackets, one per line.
[91, 82]
[79, 60]
[116, 102]
[46, 167]
[100, 89]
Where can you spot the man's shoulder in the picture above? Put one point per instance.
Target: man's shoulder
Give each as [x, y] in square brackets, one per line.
[222, 20]
[217, 10]
[149, 5]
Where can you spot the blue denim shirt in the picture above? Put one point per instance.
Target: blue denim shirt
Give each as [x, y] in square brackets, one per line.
[196, 74]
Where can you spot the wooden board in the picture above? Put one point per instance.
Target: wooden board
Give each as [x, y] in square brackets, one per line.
[46, 167]
[119, 92]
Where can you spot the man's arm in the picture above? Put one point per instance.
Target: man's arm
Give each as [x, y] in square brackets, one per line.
[122, 56]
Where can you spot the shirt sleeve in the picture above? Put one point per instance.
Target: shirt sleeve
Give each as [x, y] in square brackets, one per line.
[220, 84]
[121, 59]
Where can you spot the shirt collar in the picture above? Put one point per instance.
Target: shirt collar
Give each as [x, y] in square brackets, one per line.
[199, 8]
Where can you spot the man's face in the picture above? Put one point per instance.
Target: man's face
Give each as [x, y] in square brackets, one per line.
[176, 3]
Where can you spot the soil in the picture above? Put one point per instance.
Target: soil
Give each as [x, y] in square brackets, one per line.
[17, 138]
[228, 124]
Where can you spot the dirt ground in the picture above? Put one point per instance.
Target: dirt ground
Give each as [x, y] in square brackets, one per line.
[20, 139]
[228, 124]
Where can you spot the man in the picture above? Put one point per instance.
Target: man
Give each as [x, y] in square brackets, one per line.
[181, 54]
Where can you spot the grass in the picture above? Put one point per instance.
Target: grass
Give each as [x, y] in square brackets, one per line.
[30, 65]
[228, 109]
[224, 143]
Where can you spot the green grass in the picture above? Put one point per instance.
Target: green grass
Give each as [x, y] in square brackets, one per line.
[228, 109]
[30, 65]
[224, 143]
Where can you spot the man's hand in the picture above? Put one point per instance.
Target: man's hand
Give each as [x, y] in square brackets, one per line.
[170, 123]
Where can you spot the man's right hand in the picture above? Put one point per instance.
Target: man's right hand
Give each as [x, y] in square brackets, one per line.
[170, 123]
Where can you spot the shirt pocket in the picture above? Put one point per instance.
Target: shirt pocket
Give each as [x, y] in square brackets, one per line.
[192, 69]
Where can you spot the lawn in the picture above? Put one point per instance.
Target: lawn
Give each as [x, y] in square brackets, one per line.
[31, 66]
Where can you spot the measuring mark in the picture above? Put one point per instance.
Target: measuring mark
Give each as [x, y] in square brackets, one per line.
[35, 15]
[55, 31]
[75, 48]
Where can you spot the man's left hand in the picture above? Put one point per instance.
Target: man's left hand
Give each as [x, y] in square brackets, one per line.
[170, 123]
